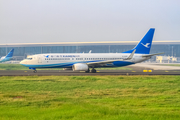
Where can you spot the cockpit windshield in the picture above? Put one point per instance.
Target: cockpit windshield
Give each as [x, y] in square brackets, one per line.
[28, 58]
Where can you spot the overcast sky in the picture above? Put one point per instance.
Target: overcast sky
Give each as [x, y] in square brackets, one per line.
[40, 21]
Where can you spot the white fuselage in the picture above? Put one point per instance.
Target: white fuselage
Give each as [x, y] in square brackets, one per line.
[67, 60]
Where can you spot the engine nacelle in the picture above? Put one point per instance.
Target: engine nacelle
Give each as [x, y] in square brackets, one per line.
[80, 67]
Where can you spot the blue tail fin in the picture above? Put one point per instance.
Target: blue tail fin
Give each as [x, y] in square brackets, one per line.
[10, 54]
[144, 46]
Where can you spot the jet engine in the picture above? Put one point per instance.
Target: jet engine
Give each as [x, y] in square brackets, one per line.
[80, 67]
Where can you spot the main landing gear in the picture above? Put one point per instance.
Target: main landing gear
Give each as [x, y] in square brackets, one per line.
[93, 70]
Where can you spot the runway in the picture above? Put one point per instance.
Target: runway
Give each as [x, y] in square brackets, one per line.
[137, 69]
[72, 73]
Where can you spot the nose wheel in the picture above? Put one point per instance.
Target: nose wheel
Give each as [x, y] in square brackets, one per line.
[35, 71]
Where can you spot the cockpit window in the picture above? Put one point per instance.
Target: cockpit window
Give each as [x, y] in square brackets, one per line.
[28, 58]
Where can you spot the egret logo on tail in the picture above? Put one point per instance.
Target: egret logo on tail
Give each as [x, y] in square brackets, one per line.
[146, 45]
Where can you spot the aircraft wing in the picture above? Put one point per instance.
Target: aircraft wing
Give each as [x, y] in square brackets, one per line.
[149, 55]
[111, 61]
[103, 62]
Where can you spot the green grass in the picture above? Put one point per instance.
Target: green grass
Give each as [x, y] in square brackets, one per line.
[20, 67]
[12, 67]
[90, 98]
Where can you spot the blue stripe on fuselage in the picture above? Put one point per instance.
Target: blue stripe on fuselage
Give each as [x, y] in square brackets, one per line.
[122, 63]
[69, 64]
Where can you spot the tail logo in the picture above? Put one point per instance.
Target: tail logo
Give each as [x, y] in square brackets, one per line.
[146, 45]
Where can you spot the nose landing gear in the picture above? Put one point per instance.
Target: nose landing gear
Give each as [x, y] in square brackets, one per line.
[35, 71]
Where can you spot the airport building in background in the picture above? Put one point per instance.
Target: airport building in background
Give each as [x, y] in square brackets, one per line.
[21, 51]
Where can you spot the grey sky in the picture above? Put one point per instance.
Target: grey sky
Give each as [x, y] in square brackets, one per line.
[36, 21]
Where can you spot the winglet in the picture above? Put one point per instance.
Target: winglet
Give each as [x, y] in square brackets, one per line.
[131, 55]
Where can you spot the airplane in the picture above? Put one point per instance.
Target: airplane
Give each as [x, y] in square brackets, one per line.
[87, 61]
[7, 57]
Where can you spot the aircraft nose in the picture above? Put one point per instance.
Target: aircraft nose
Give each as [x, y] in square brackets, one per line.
[22, 62]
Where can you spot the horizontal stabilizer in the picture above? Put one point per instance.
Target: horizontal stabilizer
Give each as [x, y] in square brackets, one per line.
[149, 55]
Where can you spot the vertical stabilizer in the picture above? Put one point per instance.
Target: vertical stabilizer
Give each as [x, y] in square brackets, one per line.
[144, 46]
[10, 54]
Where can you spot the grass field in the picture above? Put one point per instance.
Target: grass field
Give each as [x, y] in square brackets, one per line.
[20, 67]
[90, 98]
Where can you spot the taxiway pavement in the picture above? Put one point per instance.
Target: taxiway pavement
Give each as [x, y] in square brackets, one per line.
[137, 69]
[99, 72]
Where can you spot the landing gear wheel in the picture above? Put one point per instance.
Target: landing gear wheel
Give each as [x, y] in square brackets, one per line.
[35, 71]
[93, 70]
